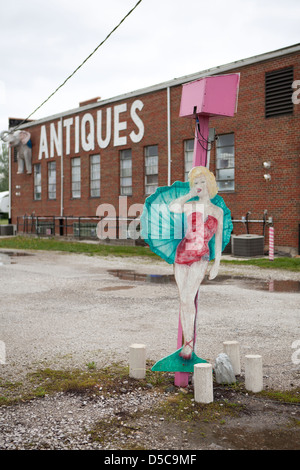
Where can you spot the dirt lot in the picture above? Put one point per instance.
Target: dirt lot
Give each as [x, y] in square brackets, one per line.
[66, 310]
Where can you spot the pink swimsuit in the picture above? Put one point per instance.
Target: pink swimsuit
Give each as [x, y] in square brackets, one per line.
[194, 246]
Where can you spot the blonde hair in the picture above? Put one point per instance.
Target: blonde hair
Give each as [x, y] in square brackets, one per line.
[209, 176]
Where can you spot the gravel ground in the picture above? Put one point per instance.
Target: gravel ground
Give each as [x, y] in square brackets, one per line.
[67, 310]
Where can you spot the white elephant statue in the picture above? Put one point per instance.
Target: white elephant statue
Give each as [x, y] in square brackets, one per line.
[21, 140]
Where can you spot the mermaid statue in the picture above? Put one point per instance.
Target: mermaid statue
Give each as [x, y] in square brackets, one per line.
[188, 225]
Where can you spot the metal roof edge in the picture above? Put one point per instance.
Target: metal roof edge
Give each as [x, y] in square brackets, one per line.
[171, 83]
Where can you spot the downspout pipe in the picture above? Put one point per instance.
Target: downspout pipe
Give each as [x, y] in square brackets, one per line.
[169, 134]
[62, 172]
[9, 184]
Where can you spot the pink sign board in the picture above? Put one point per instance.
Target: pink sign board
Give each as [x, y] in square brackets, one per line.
[210, 96]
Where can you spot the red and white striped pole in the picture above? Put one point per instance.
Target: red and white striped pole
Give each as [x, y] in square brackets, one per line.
[271, 243]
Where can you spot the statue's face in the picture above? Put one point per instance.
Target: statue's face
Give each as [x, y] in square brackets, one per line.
[201, 186]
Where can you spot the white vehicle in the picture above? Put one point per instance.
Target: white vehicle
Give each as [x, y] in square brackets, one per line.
[4, 201]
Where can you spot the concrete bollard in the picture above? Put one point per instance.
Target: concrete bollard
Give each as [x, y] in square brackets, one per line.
[232, 349]
[203, 383]
[253, 373]
[137, 361]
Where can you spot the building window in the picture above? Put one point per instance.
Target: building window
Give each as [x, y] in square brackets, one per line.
[76, 177]
[188, 157]
[151, 169]
[125, 173]
[37, 182]
[278, 91]
[225, 162]
[95, 175]
[52, 180]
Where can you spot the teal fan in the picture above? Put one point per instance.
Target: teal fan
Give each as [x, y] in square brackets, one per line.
[163, 230]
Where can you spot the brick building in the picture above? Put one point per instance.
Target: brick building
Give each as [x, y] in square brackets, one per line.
[130, 144]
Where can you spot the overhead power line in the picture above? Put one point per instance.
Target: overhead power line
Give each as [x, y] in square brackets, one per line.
[79, 66]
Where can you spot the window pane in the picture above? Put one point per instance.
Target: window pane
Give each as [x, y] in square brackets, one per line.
[94, 184]
[151, 184]
[37, 182]
[188, 157]
[225, 162]
[52, 180]
[95, 174]
[125, 172]
[225, 140]
[225, 174]
[151, 161]
[151, 179]
[150, 189]
[126, 191]
[151, 151]
[226, 185]
[126, 154]
[76, 176]
[151, 169]
[189, 145]
[126, 181]
[126, 163]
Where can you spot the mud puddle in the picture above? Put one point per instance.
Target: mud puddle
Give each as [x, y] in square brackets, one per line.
[239, 281]
[131, 275]
[7, 257]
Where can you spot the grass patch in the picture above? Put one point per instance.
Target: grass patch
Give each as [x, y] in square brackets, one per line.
[87, 381]
[53, 244]
[79, 381]
[176, 409]
[107, 430]
[48, 381]
[285, 396]
[182, 407]
[291, 264]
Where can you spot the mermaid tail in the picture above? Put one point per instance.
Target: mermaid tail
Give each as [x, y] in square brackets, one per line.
[175, 363]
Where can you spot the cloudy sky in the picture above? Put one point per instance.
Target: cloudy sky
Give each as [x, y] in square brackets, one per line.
[42, 43]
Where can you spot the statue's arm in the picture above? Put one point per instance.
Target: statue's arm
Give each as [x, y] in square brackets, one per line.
[178, 204]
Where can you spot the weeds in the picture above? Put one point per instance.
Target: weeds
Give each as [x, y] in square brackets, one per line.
[285, 396]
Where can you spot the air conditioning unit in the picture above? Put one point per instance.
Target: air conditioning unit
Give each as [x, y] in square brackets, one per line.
[7, 230]
[247, 245]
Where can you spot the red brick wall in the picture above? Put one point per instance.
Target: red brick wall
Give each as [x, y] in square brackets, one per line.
[256, 140]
